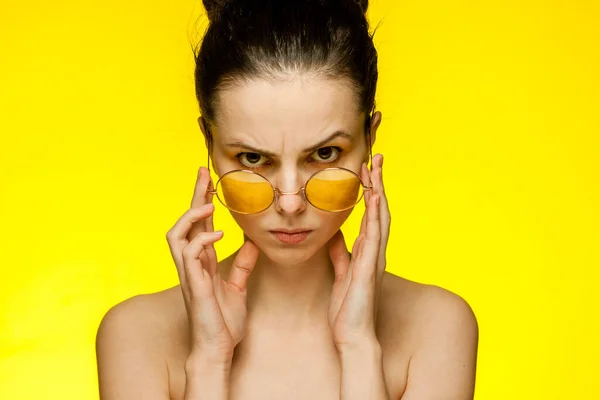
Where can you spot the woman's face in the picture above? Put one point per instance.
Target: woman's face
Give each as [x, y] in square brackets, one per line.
[286, 130]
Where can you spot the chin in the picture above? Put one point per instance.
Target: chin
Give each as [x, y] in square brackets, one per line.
[289, 255]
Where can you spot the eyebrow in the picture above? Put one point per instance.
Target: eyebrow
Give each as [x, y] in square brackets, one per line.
[336, 134]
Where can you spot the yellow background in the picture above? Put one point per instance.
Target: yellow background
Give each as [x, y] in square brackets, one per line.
[490, 135]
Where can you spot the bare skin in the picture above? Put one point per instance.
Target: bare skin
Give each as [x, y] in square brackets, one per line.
[284, 347]
[292, 363]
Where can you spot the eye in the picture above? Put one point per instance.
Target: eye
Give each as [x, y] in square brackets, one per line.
[251, 160]
[326, 154]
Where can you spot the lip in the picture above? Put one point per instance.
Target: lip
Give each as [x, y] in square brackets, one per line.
[291, 231]
[291, 236]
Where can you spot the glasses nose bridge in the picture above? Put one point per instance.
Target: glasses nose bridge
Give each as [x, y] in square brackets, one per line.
[301, 190]
[291, 206]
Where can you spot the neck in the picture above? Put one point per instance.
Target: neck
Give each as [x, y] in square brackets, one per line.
[292, 295]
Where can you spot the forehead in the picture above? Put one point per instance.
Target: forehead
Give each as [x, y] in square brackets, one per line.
[287, 114]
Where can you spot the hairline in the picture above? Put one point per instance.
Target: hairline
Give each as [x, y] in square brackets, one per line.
[232, 80]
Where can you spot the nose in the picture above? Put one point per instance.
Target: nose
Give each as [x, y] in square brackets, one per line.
[289, 198]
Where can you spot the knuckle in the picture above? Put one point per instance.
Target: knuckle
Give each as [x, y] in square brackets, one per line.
[189, 252]
[194, 295]
[245, 267]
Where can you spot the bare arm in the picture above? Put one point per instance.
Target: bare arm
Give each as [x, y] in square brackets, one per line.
[443, 366]
[130, 365]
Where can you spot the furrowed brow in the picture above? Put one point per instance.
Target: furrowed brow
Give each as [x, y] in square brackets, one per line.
[241, 145]
[336, 134]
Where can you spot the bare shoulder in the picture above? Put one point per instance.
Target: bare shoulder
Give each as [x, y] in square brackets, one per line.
[131, 344]
[425, 304]
[437, 329]
[142, 316]
[422, 312]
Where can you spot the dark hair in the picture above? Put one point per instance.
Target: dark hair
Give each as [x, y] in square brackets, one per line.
[268, 38]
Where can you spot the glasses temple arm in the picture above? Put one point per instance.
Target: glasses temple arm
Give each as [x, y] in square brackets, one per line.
[368, 128]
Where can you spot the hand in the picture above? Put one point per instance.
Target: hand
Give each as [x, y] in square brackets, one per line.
[216, 308]
[354, 298]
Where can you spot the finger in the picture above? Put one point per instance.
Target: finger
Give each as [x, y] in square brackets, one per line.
[204, 259]
[366, 178]
[363, 229]
[200, 198]
[243, 265]
[363, 222]
[366, 264]
[208, 257]
[339, 255]
[177, 235]
[209, 199]
[358, 245]
[341, 264]
[379, 188]
[192, 261]
[384, 213]
[212, 264]
[182, 228]
[210, 250]
[200, 190]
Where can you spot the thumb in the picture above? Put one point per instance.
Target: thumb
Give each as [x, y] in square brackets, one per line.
[243, 265]
[339, 255]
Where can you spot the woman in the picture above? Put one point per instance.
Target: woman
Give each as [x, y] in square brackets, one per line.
[286, 91]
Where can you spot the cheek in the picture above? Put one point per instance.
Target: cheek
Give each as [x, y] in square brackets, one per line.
[331, 223]
[248, 223]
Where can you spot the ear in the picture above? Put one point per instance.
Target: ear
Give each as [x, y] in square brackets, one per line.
[374, 124]
[205, 131]
[203, 124]
[375, 121]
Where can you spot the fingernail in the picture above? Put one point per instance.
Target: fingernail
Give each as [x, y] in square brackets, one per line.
[217, 233]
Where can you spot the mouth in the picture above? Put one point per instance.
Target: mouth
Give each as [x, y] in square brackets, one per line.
[291, 236]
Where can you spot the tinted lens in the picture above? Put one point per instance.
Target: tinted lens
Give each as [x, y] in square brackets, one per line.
[334, 190]
[245, 192]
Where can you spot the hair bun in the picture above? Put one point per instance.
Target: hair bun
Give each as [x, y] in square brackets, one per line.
[214, 7]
